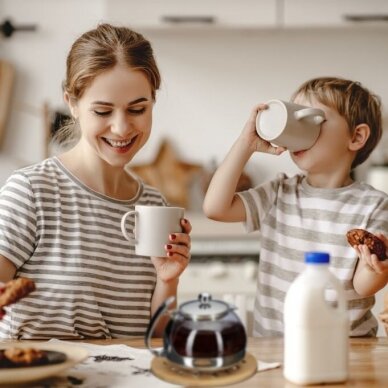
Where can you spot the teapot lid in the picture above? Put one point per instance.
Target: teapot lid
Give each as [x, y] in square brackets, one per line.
[204, 308]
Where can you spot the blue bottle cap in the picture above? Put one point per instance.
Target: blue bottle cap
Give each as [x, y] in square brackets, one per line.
[317, 257]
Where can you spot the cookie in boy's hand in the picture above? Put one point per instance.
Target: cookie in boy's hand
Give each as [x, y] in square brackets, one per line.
[363, 237]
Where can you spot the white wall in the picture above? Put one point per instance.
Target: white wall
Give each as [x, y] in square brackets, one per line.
[210, 79]
[39, 58]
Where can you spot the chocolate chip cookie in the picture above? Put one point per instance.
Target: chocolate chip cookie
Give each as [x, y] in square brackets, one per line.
[363, 237]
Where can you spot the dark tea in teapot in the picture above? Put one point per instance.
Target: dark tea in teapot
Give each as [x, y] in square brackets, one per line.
[203, 334]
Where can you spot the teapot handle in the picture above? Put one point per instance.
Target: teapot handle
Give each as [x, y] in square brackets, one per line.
[151, 326]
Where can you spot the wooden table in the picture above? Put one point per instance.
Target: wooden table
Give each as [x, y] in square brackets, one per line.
[368, 361]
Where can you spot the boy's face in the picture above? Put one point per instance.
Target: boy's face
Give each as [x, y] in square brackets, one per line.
[330, 153]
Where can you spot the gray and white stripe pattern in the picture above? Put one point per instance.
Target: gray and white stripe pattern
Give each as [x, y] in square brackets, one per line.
[67, 238]
[293, 218]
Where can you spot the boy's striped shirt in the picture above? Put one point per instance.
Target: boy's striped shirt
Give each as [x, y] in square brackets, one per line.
[293, 218]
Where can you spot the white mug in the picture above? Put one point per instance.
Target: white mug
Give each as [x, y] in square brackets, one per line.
[152, 226]
[289, 125]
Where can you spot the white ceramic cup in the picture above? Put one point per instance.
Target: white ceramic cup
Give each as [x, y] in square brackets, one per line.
[289, 125]
[151, 226]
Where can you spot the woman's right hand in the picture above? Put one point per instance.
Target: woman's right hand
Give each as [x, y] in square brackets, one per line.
[252, 140]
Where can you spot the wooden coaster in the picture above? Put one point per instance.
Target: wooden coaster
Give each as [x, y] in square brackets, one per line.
[171, 373]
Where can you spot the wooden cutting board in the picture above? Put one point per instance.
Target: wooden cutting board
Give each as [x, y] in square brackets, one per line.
[168, 173]
[7, 75]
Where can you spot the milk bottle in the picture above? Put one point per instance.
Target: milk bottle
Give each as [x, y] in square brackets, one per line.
[316, 330]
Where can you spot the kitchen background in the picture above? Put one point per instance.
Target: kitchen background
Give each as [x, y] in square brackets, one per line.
[217, 59]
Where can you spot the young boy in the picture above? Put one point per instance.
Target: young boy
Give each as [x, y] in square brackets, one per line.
[311, 211]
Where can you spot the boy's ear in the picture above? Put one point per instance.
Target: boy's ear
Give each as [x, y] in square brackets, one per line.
[71, 104]
[360, 136]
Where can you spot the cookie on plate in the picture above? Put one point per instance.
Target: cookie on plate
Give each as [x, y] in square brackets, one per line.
[24, 356]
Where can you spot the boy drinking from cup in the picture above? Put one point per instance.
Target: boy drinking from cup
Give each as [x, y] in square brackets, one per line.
[313, 210]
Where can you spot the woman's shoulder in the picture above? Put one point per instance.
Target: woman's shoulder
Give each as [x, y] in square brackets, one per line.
[35, 172]
[47, 166]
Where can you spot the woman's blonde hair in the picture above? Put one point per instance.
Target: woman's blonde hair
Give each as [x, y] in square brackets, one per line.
[353, 102]
[99, 50]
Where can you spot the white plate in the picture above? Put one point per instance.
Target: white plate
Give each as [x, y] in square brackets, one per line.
[74, 355]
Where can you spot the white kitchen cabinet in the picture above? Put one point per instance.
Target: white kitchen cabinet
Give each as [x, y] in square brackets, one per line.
[165, 14]
[334, 13]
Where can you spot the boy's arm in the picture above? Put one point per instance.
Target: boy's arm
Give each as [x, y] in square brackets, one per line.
[384, 314]
[371, 274]
[221, 202]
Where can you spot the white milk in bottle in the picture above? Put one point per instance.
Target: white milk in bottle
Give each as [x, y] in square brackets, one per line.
[316, 326]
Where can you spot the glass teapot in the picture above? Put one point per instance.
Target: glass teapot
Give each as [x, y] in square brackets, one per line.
[202, 334]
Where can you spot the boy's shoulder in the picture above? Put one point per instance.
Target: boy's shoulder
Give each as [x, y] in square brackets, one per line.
[364, 186]
[367, 189]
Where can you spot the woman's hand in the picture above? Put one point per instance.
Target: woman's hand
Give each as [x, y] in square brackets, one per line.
[178, 255]
[371, 261]
[253, 140]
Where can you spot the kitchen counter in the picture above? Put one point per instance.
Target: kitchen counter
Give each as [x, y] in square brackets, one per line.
[210, 237]
[368, 360]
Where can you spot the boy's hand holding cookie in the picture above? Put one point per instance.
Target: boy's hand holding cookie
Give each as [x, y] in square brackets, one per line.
[371, 249]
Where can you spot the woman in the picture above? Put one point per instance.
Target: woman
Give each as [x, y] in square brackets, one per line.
[60, 219]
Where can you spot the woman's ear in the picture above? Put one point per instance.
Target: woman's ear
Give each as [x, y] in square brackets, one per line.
[360, 136]
[71, 104]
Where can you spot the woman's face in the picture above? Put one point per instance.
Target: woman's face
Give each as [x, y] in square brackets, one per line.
[115, 115]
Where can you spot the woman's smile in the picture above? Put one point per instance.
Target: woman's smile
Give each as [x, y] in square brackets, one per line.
[120, 146]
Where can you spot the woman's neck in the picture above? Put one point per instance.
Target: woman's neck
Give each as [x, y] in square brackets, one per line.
[98, 175]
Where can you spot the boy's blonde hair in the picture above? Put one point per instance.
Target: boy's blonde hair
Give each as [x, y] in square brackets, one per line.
[353, 102]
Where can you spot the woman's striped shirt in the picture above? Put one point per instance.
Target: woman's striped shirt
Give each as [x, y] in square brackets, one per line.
[293, 218]
[67, 238]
